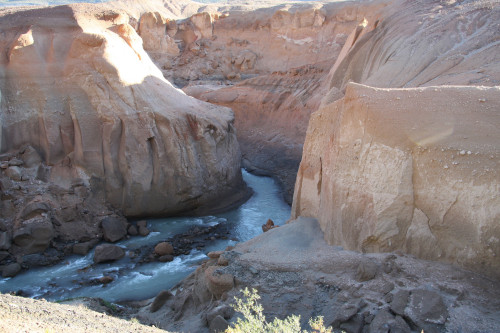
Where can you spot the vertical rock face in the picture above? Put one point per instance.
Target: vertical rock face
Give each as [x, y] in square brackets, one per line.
[407, 169]
[77, 85]
[411, 169]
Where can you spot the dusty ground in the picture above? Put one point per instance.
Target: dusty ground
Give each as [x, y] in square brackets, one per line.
[20, 314]
[296, 272]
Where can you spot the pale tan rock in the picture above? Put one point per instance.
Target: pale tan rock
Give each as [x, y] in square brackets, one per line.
[382, 171]
[108, 114]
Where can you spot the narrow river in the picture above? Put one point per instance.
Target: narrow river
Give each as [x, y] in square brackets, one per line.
[134, 281]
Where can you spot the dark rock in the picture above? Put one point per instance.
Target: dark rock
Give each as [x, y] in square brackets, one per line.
[381, 322]
[85, 247]
[160, 300]
[5, 184]
[106, 279]
[400, 326]
[426, 307]
[132, 230]
[30, 157]
[11, 270]
[14, 173]
[353, 325]
[399, 301]
[142, 223]
[3, 255]
[217, 325]
[367, 270]
[4, 241]
[225, 311]
[143, 231]
[34, 235]
[36, 259]
[346, 312]
[108, 252]
[164, 248]
[113, 229]
[166, 258]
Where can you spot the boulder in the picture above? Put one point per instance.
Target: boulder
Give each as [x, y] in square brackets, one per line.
[166, 258]
[30, 157]
[33, 235]
[113, 229]
[39, 259]
[105, 279]
[426, 308]
[4, 241]
[132, 230]
[218, 325]
[399, 301]
[85, 247]
[223, 260]
[367, 270]
[14, 173]
[214, 254]
[108, 252]
[3, 255]
[268, 226]
[160, 300]
[142, 223]
[11, 270]
[164, 248]
[143, 231]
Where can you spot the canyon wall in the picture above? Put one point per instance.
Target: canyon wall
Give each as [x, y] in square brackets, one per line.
[411, 169]
[78, 87]
[268, 64]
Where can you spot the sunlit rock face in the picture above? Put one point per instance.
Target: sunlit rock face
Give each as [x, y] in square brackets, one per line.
[78, 86]
[415, 170]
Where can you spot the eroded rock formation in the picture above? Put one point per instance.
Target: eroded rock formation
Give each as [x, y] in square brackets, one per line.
[77, 85]
[407, 169]
[411, 169]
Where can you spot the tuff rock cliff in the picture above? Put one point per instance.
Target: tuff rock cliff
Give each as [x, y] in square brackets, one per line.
[78, 86]
[411, 169]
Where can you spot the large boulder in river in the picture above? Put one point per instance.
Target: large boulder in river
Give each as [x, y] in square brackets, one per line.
[108, 252]
[33, 235]
[164, 248]
[95, 107]
[114, 229]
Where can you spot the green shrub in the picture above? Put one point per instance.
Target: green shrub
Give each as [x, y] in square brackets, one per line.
[255, 322]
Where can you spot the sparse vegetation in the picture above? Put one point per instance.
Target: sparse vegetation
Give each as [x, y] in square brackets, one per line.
[255, 322]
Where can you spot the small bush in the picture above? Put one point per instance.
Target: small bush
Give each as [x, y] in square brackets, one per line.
[255, 322]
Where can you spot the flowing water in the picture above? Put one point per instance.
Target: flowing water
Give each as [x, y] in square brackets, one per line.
[134, 281]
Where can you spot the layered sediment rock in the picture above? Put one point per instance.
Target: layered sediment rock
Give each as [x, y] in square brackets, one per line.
[77, 86]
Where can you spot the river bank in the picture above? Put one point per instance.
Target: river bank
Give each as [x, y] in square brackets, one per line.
[140, 272]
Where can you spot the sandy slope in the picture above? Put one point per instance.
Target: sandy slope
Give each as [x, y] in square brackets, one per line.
[18, 314]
